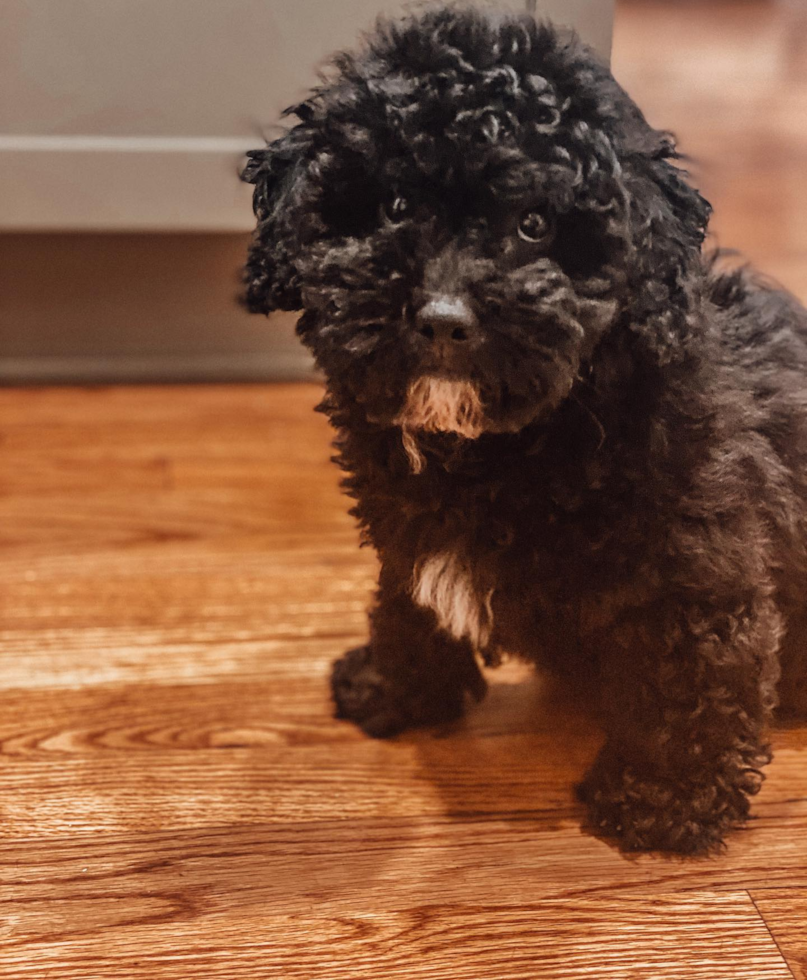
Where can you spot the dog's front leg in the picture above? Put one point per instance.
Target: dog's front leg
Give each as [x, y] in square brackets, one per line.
[411, 673]
[685, 728]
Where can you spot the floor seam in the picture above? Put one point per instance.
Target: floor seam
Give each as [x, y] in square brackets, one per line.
[768, 930]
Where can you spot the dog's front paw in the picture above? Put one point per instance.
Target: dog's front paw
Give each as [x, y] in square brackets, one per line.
[384, 704]
[648, 813]
[364, 696]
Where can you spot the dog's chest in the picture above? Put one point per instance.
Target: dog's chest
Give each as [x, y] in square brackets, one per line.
[445, 583]
[530, 553]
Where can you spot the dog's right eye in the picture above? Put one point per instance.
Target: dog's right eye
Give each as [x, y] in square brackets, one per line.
[535, 228]
[396, 209]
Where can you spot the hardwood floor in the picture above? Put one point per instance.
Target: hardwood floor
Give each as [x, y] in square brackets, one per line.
[729, 78]
[177, 571]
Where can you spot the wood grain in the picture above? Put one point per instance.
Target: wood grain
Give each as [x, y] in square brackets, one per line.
[568, 938]
[177, 572]
[730, 80]
[785, 911]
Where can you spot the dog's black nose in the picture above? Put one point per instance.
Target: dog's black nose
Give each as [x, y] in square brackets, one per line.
[447, 320]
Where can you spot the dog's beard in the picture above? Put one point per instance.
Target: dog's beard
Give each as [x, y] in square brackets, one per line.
[437, 404]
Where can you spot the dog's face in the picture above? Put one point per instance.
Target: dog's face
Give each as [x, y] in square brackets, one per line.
[462, 213]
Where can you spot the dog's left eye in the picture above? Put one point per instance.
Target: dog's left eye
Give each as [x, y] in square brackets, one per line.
[535, 228]
[396, 209]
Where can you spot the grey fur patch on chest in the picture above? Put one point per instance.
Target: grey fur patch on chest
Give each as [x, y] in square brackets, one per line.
[444, 584]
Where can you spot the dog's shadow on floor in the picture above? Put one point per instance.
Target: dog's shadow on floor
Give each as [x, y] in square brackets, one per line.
[514, 757]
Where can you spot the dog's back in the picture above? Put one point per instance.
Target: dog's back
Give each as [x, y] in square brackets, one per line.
[762, 335]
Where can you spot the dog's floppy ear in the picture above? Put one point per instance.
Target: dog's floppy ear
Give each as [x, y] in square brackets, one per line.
[669, 220]
[270, 276]
[649, 156]
[689, 208]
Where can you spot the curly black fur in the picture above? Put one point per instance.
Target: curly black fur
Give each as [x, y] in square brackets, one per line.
[473, 200]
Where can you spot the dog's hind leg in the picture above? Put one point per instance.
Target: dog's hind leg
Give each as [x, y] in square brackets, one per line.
[793, 682]
[686, 746]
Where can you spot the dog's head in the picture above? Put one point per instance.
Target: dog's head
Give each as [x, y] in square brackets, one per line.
[465, 208]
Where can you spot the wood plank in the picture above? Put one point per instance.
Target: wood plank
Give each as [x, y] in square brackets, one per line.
[189, 589]
[266, 749]
[252, 750]
[44, 523]
[162, 405]
[187, 933]
[785, 913]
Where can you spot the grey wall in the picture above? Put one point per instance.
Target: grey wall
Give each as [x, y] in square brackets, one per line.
[133, 115]
[122, 117]
[149, 307]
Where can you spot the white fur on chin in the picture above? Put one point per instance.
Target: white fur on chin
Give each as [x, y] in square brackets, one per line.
[437, 404]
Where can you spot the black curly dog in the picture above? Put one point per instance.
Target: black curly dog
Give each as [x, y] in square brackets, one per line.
[569, 437]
